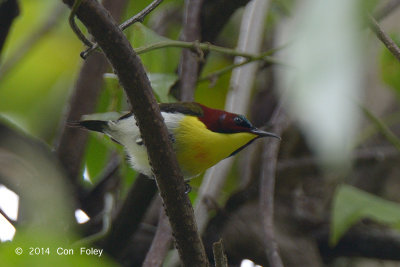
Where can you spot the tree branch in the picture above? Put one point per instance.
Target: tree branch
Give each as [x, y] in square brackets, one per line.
[137, 18]
[160, 244]
[74, 27]
[386, 40]
[219, 255]
[130, 214]
[165, 167]
[237, 101]
[189, 63]
[268, 169]
[212, 76]
[71, 144]
[206, 47]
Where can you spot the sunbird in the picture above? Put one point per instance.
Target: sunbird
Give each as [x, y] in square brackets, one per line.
[200, 136]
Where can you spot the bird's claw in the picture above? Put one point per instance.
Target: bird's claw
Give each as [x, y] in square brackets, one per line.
[188, 188]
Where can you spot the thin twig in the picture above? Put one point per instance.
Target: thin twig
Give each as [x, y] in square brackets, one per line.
[107, 215]
[161, 242]
[75, 27]
[386, 40]
[381, 126]
[267, 188]
[371, 130]
[139, 17]
[264, 56]
[11, 221]
[205, 47]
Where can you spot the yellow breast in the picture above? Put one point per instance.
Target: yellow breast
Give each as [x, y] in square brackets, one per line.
[198, 148]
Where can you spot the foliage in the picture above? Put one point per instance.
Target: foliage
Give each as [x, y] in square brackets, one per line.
[390, 68]
[352, 204]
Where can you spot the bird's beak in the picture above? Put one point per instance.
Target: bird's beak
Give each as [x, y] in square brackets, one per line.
[261, 133]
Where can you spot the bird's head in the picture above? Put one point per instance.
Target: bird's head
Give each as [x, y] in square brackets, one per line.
[204, 136]
[221, 121]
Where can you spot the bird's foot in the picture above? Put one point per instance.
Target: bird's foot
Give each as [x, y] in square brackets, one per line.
[188, 188]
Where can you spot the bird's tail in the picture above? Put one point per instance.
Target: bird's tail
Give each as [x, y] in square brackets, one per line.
[93, 125]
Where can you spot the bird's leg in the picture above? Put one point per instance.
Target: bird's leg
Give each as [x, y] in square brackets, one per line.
[188, 188]
[171, 138]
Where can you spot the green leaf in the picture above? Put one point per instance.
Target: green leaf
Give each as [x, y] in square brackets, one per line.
[390, 67]
[112, 95]
[351, 205]
[162, 83]
[38, 84]
[218, 88]
[97, 154]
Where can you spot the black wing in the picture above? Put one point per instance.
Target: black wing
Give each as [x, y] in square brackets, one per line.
[188, 108]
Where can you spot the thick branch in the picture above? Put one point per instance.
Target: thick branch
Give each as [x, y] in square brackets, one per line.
[154, 132]
[130, 214]
[72, 142]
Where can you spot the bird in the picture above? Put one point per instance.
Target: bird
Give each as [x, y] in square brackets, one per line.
[201, 136]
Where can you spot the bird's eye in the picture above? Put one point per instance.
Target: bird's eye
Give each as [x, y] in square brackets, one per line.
[238, 120]
[242, 121]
